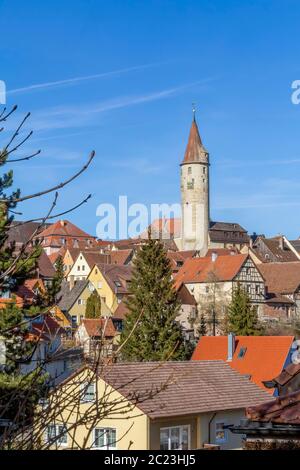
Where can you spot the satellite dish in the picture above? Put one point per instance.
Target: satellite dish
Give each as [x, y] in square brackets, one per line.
[296, 357]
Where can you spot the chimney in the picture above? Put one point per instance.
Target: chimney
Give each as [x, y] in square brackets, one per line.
[281, 242]
[230, 346]
[71, 282]
[214, 256]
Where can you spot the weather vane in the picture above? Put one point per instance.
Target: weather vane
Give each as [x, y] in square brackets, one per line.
[194, 110]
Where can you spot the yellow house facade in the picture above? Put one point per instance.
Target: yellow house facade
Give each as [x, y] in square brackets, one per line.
[111, 283]
[152, 406]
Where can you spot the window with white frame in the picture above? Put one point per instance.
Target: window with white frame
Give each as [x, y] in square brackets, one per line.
[57, 434]
[175, 438]
[221, 433]
[99, 285]
[105, 438]
[88, 392]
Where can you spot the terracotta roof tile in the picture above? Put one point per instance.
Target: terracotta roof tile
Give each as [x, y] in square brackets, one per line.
[185, 388]
[264, 358]
[121, 311]
[94, 327]
[195, 151]
[282, 410]
[281, 278]
[224, 268]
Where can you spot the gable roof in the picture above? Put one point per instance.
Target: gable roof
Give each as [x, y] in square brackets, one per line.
[47, 327]
[27, 290]
[54, 256]
[287, 374]
[278, 248]
[121, 311]
[283, 410]
[67, 297]
[224, 268]
[93, 258]
[94, 327]
[121, 257]
[184, 387]
[282, 278]
[20, 232]
[64, 228]
[45, 266]
[117, 276]
[185, 297]
[264, 358]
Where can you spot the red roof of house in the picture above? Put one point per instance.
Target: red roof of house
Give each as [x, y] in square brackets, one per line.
[121, 311]
[94, 326]
[64, 228]
[27, 291]
[276, 281]
[54, 256]
[282, 410]
[264, 358]
[224, 268]
[48, 327]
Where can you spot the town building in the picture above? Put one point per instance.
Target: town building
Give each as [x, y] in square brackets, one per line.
[283, 283]
[158, 406]
[111, 282]
[260, 358]
[212, 280]
[96, 336]
[274, 425]
[64, 234]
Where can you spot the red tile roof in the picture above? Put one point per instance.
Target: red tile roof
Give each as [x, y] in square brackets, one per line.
[182, 388]
[121, 257]
[47, 328]
[27, 291]
[121, 311]
[281, 278]
[94, 327]
[224, 268]
[195, 151]
[64, 228]
[282, 410]
[53, 257]
[264, 358]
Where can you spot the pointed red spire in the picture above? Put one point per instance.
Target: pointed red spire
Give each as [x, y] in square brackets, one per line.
[195, 151]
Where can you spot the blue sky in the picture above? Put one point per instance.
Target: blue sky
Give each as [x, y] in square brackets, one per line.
[120, 76]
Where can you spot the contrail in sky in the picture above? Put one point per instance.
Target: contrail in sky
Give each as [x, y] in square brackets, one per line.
[71, 81]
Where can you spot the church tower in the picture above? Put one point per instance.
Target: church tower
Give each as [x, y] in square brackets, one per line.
[195, 194]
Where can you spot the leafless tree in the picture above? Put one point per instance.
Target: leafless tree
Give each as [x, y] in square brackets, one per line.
[61, 405]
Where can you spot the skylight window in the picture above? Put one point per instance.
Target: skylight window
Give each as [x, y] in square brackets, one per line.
[242, 352]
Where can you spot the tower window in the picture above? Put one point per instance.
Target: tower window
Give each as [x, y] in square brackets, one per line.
[190, 184]
[189, 170]
[204, 170]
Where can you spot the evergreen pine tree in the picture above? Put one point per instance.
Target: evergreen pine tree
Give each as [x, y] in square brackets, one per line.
[202, 330]
[242, 317]
[151, 332]
[93, 306]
